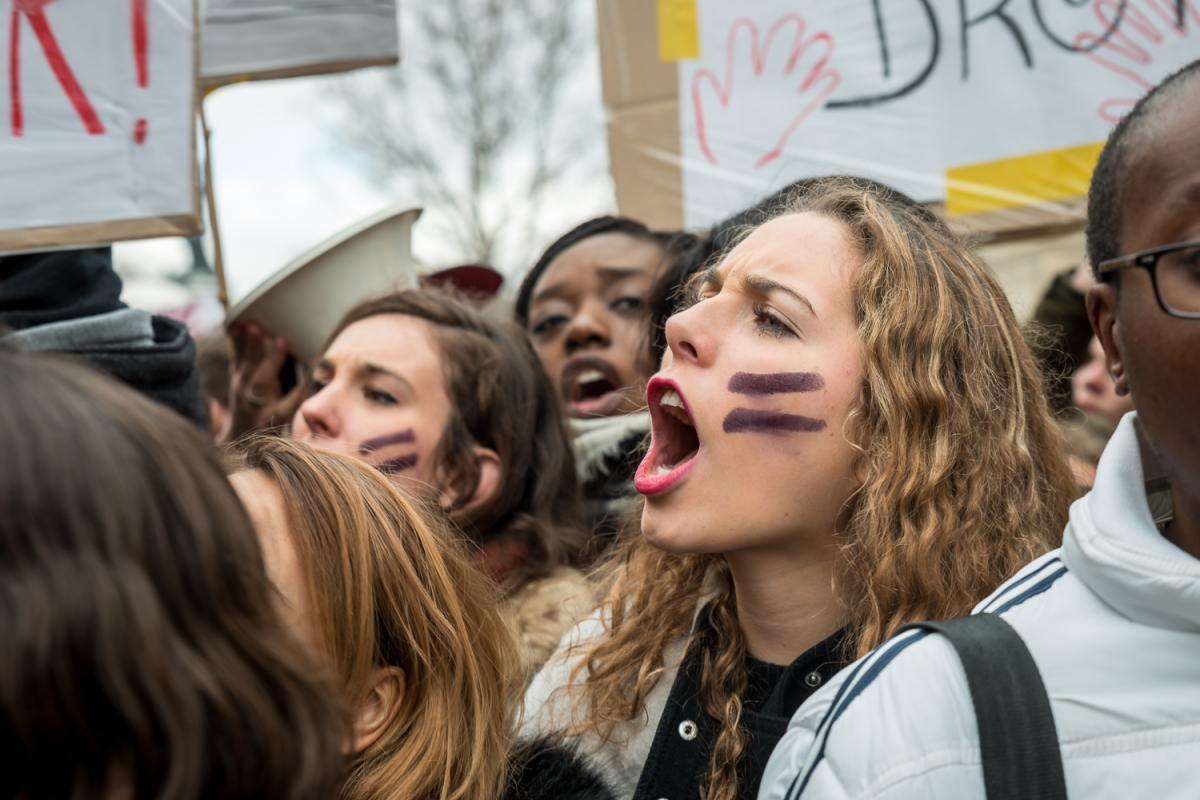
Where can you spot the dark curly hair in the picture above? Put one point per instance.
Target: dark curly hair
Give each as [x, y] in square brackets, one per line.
[1104, 195]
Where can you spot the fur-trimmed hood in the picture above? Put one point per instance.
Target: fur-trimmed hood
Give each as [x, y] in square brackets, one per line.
[543, 610]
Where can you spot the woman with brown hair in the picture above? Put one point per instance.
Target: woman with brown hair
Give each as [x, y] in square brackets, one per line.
[141, 653]
[379, 588]
[849, 434]
[456, 408]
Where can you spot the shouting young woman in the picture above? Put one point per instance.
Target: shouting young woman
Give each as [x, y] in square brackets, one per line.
[849, 434]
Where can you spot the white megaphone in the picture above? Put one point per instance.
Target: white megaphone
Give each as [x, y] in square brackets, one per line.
[304, 300]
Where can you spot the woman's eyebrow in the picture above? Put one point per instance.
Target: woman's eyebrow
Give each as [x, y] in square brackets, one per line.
[763, 285]
[607, 275]
[552, 291]
[712, 277]
[618, 273]
[368, 370]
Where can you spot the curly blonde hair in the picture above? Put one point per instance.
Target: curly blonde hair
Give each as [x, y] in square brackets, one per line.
[391, 585]
[964, 477]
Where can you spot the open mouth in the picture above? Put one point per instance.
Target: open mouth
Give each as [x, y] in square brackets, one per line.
[591, 387]
[675, 443]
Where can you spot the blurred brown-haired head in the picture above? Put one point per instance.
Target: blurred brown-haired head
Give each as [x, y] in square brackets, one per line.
[142, 655]
[389, 585]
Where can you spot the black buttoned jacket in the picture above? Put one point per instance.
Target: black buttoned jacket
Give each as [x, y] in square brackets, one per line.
[678, 759]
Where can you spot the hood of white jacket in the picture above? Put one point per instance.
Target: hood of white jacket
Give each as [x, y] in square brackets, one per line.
[1113, 546]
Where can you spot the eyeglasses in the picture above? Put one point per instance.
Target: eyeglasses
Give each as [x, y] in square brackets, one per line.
[1174, 272]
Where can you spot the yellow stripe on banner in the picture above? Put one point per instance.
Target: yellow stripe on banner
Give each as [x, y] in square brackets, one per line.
[1021, 181]
[678, 31]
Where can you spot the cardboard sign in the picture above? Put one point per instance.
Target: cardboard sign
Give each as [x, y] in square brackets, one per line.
[996, 109]
[260, 39]
[97, 134]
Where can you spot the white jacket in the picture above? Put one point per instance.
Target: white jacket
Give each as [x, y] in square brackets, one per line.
[1113, 622]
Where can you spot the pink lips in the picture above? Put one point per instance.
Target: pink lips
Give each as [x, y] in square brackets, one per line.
[647, 480]
[650, 483]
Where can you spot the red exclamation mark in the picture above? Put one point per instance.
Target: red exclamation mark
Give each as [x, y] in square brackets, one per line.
[141, 61]
[17, 113]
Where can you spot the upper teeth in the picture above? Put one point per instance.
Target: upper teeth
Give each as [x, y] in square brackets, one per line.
[589, 376]
[672, 403]
[670, 398]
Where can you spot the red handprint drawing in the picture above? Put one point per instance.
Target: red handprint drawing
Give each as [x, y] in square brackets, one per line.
[817, 80]
[1118, 52]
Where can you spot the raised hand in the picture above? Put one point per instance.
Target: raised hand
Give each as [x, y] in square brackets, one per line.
[256, 399]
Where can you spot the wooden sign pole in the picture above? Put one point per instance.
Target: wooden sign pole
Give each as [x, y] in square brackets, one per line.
[218, 260]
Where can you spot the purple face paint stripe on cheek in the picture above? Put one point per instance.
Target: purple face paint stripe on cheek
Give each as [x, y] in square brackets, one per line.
[394, 465]
[407, 436]
[775, 382]
[750, 420]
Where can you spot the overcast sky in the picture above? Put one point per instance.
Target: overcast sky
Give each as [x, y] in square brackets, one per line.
[284, 183]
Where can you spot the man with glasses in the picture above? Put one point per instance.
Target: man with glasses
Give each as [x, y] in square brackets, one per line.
[1112, 620]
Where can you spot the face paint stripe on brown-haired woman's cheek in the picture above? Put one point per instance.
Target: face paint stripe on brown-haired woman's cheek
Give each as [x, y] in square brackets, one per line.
[406, 436]
[775, 382]
[749, 420]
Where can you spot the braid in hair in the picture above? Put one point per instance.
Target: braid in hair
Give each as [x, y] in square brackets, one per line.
[723, 684]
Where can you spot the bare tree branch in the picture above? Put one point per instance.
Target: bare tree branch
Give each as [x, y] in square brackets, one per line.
[478, 118]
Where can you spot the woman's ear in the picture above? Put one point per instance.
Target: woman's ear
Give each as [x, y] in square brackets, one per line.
[376, 712]
[490, 473]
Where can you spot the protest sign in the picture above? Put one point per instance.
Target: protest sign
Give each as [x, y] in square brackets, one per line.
[996, 109]
[257, 39]
[97, 137]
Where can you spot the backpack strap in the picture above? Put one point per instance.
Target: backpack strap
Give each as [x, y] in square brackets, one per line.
[1017, 738]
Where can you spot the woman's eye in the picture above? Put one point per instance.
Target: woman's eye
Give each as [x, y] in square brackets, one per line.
[627, 304]
[315, 386]
[380, 397]
[549, 324]
[767, 322]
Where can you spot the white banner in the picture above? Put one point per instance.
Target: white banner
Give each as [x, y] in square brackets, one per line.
[247, 39]
[97, 125]
[906, 91]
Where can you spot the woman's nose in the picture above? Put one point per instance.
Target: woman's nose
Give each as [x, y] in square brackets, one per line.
[687, 340]
[588, 328]
[321, 414]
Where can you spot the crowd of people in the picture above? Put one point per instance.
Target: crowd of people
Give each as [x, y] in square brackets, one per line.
[793, 507]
